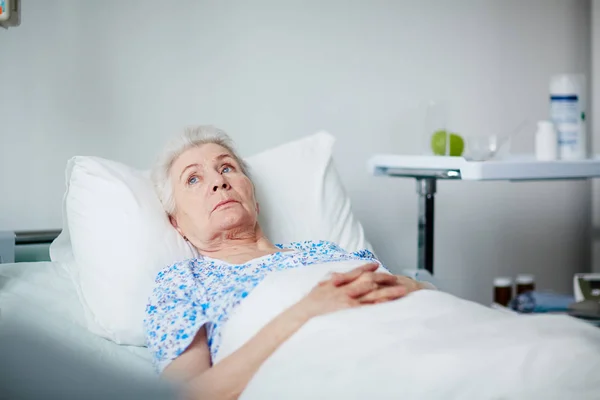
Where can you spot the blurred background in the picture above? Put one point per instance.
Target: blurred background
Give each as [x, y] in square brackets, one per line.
[116, 78]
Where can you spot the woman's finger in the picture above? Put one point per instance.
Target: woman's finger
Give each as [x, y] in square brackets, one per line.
[391, 293]
[360, 288]
[383, 294]
[385, 279]
[339, 279]
[410, 284]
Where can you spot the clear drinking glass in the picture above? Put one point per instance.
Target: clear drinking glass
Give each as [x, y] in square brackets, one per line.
[482, 147]
[438, 137]
[486, 145]
[435, 132]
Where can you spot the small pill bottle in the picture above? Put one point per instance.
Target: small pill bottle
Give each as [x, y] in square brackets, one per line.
[525, 283]
[503, 290]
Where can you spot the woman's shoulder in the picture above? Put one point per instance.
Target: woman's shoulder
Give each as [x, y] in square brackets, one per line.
[174, 269]
[178, 271]
[176, 280]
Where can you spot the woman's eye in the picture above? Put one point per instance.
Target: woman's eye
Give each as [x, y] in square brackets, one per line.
[226, 169]
[192, 180]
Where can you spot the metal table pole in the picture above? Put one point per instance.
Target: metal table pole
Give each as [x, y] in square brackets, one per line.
[426, 189]
[426, 179]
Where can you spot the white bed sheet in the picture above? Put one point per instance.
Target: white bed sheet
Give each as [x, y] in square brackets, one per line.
[42, 295]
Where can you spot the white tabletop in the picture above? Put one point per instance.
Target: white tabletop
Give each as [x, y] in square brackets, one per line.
[514, 168]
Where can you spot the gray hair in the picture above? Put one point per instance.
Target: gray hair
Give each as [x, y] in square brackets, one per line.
[195, 136]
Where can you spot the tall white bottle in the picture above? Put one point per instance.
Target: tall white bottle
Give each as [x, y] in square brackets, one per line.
[567, 112]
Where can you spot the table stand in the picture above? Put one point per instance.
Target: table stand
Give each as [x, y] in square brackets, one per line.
[426, 190]
[426, 180]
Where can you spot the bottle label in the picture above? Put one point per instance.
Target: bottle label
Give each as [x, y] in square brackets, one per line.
[566, 115]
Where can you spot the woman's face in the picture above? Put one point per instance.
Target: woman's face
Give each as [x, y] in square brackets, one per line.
[212, 195]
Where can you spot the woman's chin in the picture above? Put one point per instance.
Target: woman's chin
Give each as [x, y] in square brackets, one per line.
[235, 221]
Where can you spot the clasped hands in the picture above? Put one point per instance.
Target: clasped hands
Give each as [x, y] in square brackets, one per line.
[360, 286]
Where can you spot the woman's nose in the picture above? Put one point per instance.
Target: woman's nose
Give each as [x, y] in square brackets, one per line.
[222, 186]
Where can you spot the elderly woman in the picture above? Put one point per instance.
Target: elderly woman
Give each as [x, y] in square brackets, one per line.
[209, 198]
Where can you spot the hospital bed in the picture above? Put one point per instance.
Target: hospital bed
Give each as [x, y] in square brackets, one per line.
[41, 299]
[41, 294]
[45, 298]
[48, 353]
[47, 295]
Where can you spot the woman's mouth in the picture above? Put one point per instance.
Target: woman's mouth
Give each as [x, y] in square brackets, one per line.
[223, 203]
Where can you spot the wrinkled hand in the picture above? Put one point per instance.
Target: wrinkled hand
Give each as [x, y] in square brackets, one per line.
[408, 285]
[358, 287]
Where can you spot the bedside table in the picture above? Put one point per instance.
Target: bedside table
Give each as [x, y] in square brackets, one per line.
[426, 170]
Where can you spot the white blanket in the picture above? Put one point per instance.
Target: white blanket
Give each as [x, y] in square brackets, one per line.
[429, 345]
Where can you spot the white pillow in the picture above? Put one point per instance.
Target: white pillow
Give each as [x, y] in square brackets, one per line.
[301, 196]
[120, 238]
[116, 236]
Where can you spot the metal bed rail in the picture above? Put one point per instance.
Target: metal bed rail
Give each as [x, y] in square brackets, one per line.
[36, 237]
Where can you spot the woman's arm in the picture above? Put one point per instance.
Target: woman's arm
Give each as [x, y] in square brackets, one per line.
[228, 378]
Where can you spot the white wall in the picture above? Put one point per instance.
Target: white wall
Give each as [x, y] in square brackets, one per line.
[115, 78]
[595, 145]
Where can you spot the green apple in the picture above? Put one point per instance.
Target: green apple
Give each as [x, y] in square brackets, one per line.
[457, 145]
[438, 143]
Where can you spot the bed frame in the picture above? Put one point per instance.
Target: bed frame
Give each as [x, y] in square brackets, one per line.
[36, 237]
[26, 245]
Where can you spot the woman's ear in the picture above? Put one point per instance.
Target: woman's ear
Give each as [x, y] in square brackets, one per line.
[173, 222]
[257, 208]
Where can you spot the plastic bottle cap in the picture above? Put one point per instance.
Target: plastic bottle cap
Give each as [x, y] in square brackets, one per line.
[545, 124]
[525, 279]
[502, 281]
[546, 141]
